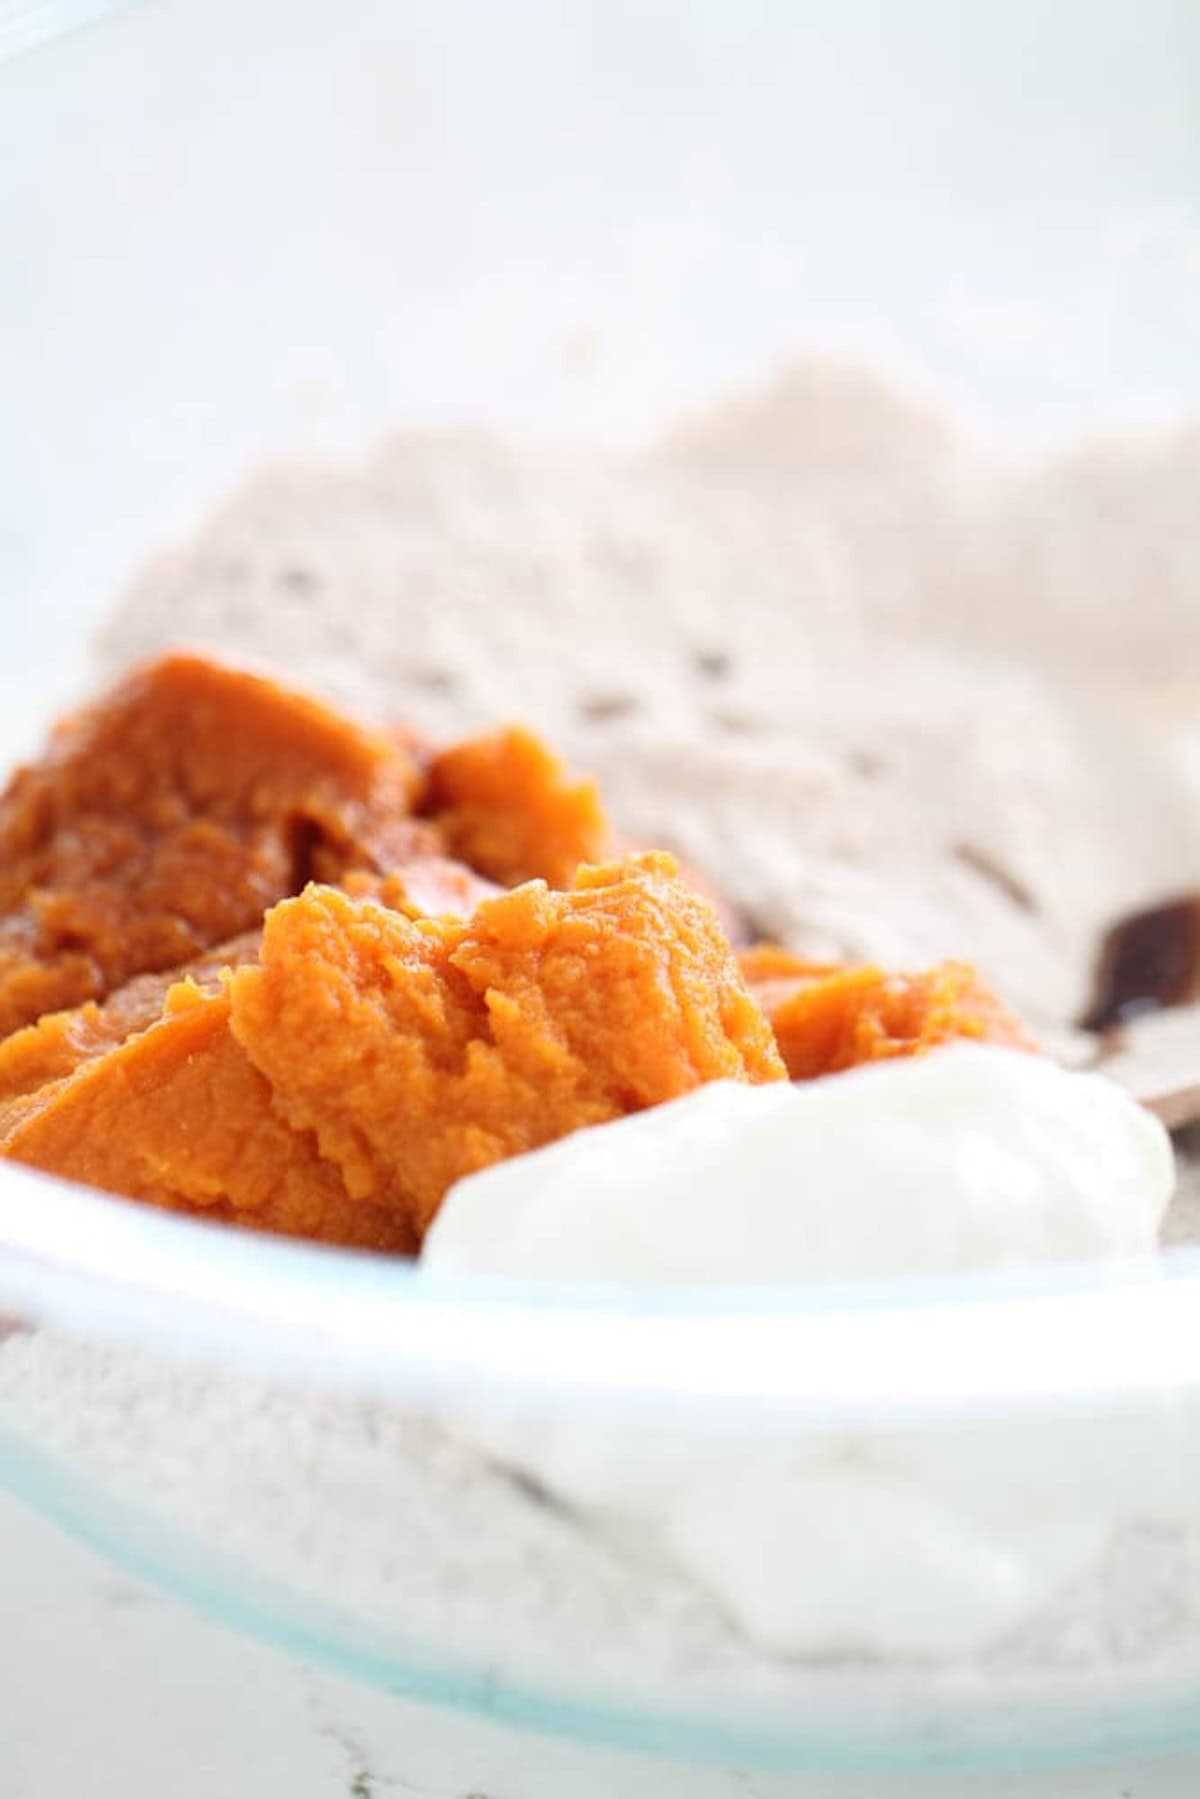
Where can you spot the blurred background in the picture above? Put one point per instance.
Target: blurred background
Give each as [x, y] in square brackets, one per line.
[238, 227]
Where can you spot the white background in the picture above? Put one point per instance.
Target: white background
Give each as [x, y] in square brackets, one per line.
[230, 225]
[239, 225]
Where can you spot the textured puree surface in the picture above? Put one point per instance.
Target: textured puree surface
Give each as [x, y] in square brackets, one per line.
[507, 807]
[827, 1019]
[457, 1044]
[179, 1117]
[61, 1042]
[429, 886]
[167, 818]
[338, 1085]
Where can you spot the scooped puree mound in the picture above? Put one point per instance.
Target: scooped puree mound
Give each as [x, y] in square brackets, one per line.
[263, 963]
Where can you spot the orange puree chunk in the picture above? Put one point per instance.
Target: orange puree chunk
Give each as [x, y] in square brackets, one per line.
[507, 807]
[178, 1117]
[339, 1086]
[165, 819]
[261, 964]
[828, 1018]
[417, 1051]
[61, 1042]
[431, 886]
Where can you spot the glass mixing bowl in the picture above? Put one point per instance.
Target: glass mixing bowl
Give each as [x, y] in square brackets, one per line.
[237, 228]
[283, 1435]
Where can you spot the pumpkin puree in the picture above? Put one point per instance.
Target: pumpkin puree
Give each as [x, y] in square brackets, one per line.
[167, 819]
[828, 1018]
[505, 806]
[255, 964]
[339, 1085]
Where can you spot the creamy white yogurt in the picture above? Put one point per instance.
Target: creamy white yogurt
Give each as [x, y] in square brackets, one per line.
[973, 1158]
[934, 1539]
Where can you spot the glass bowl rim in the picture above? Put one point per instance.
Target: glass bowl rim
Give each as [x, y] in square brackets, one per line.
[81, 1261]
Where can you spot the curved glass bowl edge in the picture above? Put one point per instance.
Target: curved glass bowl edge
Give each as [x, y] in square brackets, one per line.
[962, 1732]
[81, 1261]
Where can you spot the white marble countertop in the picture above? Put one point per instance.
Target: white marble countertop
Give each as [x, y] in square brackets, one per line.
[110, 1691]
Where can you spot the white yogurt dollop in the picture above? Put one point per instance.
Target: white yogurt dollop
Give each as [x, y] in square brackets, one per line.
[933, 1539]
[972, 1158]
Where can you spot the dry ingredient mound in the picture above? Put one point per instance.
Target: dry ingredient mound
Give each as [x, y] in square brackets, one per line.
[823, 506]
